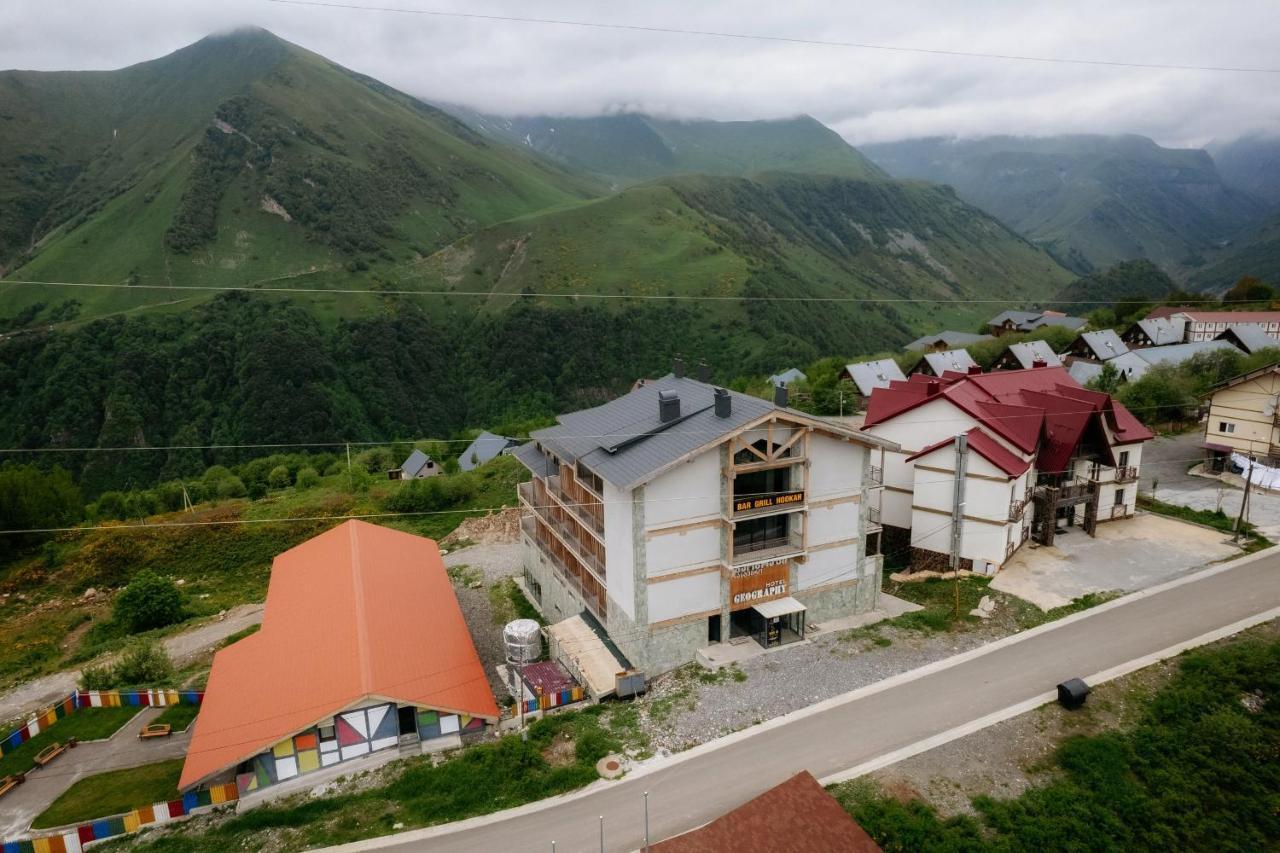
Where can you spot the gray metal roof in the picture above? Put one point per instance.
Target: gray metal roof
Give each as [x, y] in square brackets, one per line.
[948, 338]
[786, 377]
[870, 375]
[1135, 363]
[626, 444]
[954, 360]
[534, 459]
[485, 446]
[1028, 352]
[1104, 343]
[1018, 317]
[1072, 323]
[1164, 330]
[1250, 337]
[1084, 371]
[416, 462]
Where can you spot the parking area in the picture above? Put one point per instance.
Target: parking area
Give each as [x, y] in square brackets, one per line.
[1165, 465]
[1125, 555]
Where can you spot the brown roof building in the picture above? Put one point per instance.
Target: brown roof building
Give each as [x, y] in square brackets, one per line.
[797, 816]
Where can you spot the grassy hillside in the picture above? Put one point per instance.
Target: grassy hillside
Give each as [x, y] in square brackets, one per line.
[1089, 200]
[1251, 164]
[239, 159]
[630, 147]
[1130, 281]
[1255, 253]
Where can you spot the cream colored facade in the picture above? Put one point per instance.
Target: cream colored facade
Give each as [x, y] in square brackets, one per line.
[1242, 415]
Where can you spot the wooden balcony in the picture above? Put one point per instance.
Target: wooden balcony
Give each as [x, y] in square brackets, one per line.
[1017, 507]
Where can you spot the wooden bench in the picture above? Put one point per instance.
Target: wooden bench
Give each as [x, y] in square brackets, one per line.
[8, 783]
[155, 730]
[51, 752]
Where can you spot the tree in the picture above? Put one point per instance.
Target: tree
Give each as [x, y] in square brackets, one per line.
[32, 499]
[143, 664]
[1108, 380]
[1248, 289]
[308, 478]
[231, 487]
[149, 601]
[279, 477]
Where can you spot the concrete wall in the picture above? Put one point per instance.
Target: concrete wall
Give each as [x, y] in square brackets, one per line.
[619, 555]
[688, 492]
[683, 596]
[1241, 407]
[913, 431]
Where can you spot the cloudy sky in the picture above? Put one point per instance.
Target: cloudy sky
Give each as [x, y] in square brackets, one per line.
[868, 95]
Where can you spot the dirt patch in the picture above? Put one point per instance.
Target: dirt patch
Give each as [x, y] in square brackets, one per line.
[561, 752]
[496, 528]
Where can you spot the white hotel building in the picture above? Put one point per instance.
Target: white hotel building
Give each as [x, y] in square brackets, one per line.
[682, 515]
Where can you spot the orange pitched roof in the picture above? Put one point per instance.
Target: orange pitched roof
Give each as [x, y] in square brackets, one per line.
[359, 611]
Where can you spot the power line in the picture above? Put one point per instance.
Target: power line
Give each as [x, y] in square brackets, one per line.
[809, 42]
[660, 297]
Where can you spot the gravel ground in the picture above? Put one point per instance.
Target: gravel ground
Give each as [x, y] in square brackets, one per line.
[495, 561]
[485, 633]
[690, 706]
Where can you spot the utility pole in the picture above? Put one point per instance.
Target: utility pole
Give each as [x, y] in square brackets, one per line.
[646, 822]
[351, 485]
[1244, 501]
[957, 512]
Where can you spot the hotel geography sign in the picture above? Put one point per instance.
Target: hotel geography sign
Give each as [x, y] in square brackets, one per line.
[759, 582]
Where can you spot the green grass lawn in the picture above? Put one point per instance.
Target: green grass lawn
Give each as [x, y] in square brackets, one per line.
[178, 716]
[85, 724]
[559, 756]
[113, 793]
[1196, 771]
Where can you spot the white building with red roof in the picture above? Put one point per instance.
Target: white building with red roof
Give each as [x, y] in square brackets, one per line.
[1042, 451]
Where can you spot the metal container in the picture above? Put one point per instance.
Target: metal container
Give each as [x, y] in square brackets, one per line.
[523, 641]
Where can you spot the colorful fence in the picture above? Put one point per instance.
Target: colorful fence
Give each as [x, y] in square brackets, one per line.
[73, 840]
[95, 699]
[555, 699]
[41, 721]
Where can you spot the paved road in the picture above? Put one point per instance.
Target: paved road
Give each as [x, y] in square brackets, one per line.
[684, 794]
[40, 693]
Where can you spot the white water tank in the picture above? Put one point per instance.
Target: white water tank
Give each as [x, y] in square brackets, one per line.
[523, 641]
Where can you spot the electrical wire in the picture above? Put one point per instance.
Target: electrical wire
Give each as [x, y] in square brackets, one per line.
[808, 42]
[659, 297]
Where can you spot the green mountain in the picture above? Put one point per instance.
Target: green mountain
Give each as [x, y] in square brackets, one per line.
[1088, 200]
[1254, 253]
[442, 278]
[239, 159]
[630, 147]
[1251, 164]
[1130, 282]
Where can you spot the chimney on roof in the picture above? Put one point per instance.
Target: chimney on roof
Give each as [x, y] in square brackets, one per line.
[780, 395]
[724, 403]
[702, 372]
[932, 389]
[1038, 362]
[668, 406]
[677, 367]
[975, 369]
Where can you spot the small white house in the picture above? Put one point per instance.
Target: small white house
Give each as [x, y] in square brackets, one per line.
[418, 466]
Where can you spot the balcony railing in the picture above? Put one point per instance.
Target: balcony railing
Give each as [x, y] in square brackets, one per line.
[1126, 474]
[568, 533]
[873, 519]
[766, 549]
[875, 477]
[1017, 507]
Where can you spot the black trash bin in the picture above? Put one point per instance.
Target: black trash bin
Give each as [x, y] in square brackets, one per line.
[1072, 693]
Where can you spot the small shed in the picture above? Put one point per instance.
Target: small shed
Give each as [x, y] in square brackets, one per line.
[416, 467]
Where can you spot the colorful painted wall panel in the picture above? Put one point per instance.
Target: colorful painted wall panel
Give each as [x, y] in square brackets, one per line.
[75, 839]
[555, 699]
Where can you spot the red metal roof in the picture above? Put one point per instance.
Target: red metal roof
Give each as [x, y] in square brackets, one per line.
[797, 816]
[358, 612]
[1041, 410]
[986, 447]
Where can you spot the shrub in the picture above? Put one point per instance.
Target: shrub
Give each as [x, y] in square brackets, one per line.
[307, 478]
[149, 601]
[231, 487]
[279, 477]
[216, 473]
[143, 664]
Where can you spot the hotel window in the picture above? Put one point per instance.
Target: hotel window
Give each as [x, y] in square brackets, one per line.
[1119, 497]
[1124, 459]
[1226, 427]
